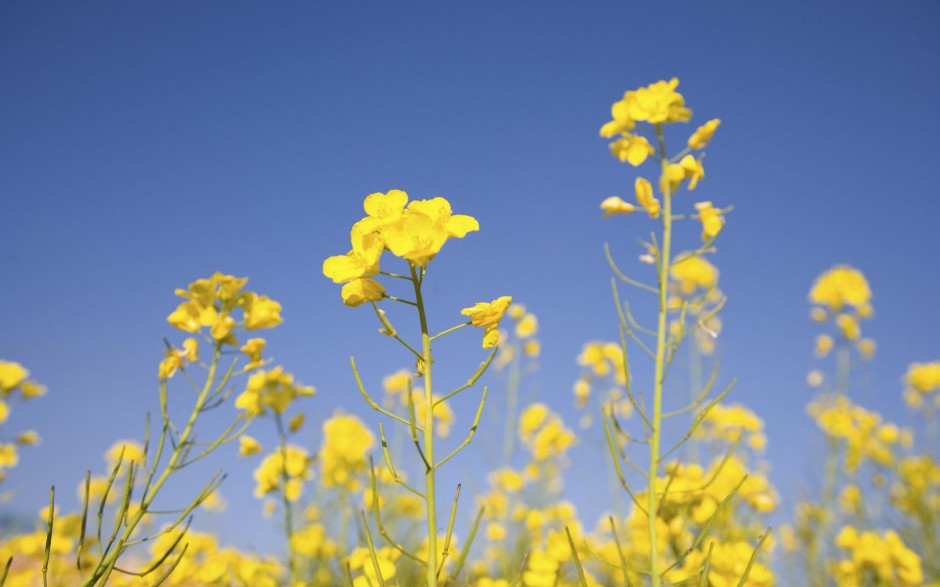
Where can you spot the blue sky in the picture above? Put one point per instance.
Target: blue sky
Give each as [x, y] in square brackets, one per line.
[144, 146]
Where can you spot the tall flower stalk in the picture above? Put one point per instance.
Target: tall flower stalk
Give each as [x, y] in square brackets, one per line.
[416, 234]
[660, 105]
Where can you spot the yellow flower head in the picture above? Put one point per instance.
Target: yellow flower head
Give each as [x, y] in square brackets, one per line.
[633, 149]
[645, 197]
[840, 286]
[923, 378]
[423, 228]
[359, 291]
[285, 469]
[616, 205]
[694, 273]
[346, 443]
[210, 303]
[711, 219]
[487, 315]
[253, 348]
[692, 170]
[656, 103]
[274, 389]
[703, 134]
[248, 446]
[12, 374]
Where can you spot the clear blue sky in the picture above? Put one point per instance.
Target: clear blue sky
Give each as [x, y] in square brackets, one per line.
[143, 146]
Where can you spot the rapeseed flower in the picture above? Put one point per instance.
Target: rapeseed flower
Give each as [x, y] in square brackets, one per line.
[616, 205]
[711, 219]
[839, 287]
[645, 197]
[703, 134]
[487, 315]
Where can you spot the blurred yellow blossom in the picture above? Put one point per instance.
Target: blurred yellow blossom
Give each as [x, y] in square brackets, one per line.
[703, 134]
[274, 389]
[633, 149]
[248, 446]
[616, 205]
[253, 348]
[711, 219]
[645, 197]
[840, 286]
[285, 469]
[346, 442]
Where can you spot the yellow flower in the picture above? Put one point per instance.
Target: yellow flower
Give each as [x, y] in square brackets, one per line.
[273, 389]
[361, 261]
[260, 311]
[923, 377]
[621, 122]
[248, 446]
[711, 218]
[842, 285]
[694, 272]
[359, 291]
[487, 315]
[823, 345]
[253, 349]
[296, 422]
[132, 451]
[382, 210]
[692, 170]
[346, 443]
[703, 134]
[616, 205]
[633, 149]
[12, 374]
[527, 326]
[423, 228]
[848, 326]
[645, 197]
[672, 178]
[28, 438]
[656, 103]
[532, 348]
[285, 469]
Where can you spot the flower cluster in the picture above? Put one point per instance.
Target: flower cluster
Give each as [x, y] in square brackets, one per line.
[659, 104]
[414, 231]
[921, 382]
[880, 559]
[346, 442]
[15, 383]
[285, 470]
[274, 390]
[210, 303]
[862, 431]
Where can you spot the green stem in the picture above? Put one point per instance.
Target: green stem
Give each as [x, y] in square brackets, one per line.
[288, 510]
[512, 401]
[430, 504]
[656, 421]
[106, 565]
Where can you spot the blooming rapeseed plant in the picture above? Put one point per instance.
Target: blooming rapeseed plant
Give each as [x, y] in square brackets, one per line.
[415, 232]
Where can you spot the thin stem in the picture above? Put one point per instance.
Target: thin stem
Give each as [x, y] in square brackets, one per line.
[428, 455]
[288, 510]
[661, 330]
[449, 330]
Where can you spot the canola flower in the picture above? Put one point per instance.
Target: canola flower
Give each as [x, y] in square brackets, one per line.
[678, 278]
[415, 232]
[15, 385]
